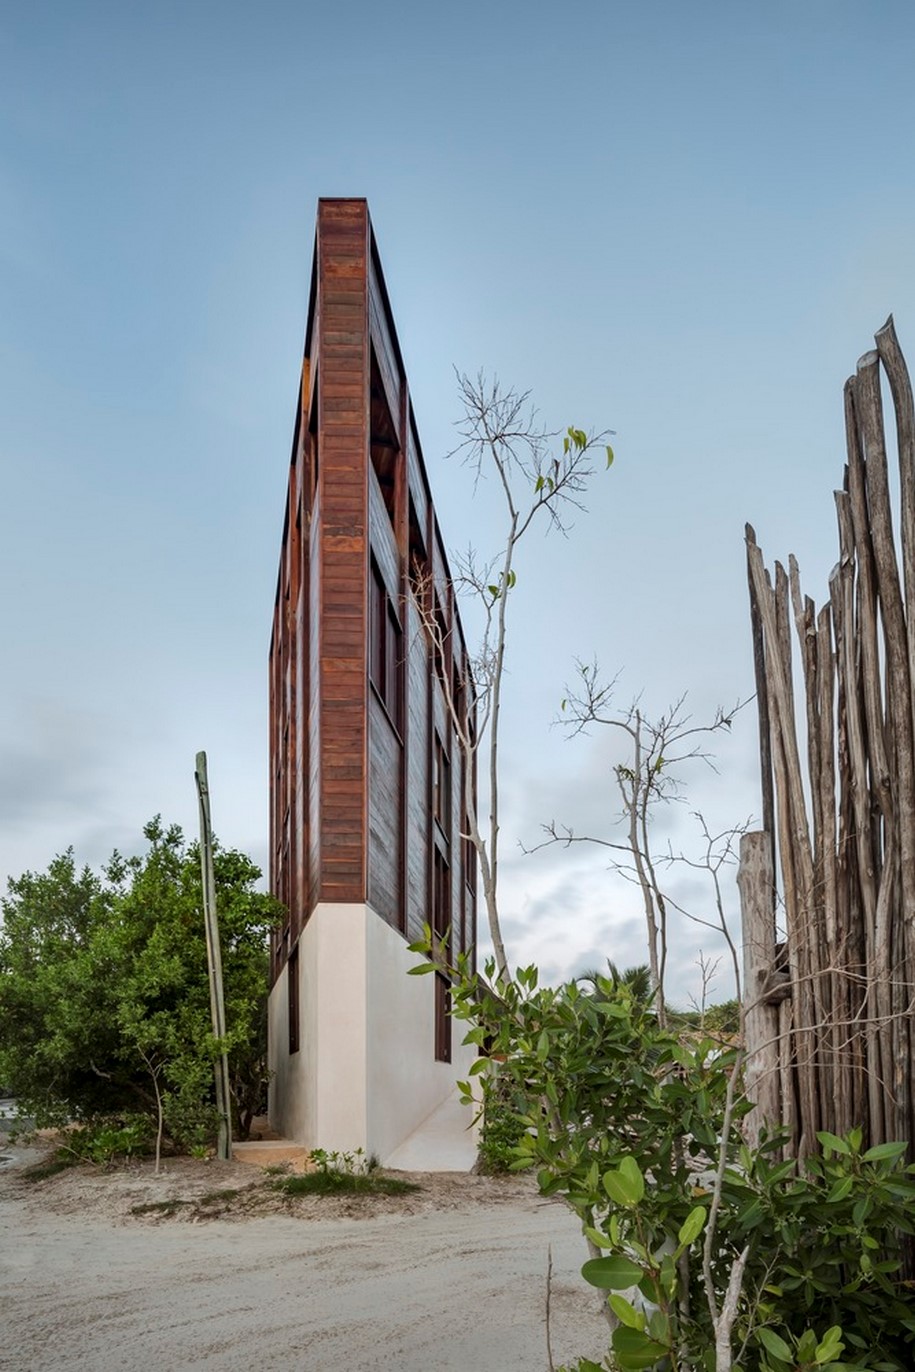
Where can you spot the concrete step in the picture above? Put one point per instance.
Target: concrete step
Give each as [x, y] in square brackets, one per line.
[444, 1142]
[272, 1153]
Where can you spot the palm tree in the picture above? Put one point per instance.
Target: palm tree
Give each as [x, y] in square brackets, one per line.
[637, 981]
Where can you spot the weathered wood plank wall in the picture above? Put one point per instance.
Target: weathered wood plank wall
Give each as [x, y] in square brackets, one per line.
[829, 1000]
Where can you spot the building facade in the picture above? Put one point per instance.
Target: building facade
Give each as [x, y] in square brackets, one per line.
[368, 786]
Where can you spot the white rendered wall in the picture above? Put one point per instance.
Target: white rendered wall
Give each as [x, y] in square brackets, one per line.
[406, 1083]
[365, 1075]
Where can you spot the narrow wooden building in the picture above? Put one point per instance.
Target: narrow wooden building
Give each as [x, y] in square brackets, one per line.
[367, 781]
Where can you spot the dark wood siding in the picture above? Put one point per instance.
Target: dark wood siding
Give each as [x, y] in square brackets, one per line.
[314, 712]
[351, 756]
[343, 379]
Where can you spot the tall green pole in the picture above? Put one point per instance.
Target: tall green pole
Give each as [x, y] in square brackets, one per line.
[214, 958]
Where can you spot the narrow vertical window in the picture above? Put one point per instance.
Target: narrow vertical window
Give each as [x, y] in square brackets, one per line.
[385, 648]
[378, 648]
[441, 922]
[442, 1019]
[293, 999]
[441, 788]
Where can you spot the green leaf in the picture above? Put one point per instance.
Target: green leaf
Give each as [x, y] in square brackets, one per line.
[884, 1150]
[615, 1273]
[859, 1214]
[611, 1009]
[774, 1345]
[830, 1346]
[610, 456]
[626, 1313]
[841, 1189]
[629, 1171]
[635, 1350]
[692, 1226]
[421, 970]
[659, 1327]
[806, 1346]
[832, 1141]
[625, 1184]
[618, 1189]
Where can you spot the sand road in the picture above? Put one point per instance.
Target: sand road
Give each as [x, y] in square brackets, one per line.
[85, 1284]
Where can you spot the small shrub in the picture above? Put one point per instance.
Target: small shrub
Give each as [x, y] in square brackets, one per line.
[499, 1137]
[102, 1140]
[353, 1164]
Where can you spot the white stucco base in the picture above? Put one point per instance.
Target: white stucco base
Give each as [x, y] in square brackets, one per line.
[365, 1075]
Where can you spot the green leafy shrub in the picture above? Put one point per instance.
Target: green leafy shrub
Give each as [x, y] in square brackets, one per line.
[104, 992]
[835, 1225]
[105, 1139]
[628, 1123]
[500, 1136]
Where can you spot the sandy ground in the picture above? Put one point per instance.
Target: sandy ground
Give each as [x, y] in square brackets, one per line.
[452, 1277]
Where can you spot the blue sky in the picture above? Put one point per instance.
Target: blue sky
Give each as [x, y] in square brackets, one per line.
[680, 222]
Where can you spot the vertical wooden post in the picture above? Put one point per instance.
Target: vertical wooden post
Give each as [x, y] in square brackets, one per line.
[756, 881]
[762, 697]
[214, 959]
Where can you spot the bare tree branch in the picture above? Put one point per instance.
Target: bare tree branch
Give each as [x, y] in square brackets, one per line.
[649, 777]
[542, 476]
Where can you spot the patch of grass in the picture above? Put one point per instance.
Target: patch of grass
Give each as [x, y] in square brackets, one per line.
[331, 1183]
[276, 1169]
[39, 1171]
[166, 1207]
[218, 1197]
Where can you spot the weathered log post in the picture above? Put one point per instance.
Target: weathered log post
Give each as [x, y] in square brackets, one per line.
[765, 984]
[214, 960]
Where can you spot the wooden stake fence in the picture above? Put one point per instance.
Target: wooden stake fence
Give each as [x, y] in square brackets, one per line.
[829, 1002]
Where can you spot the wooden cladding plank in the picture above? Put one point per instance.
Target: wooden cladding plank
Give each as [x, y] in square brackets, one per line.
[343, 541]
[351, 265]
[343, 385]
